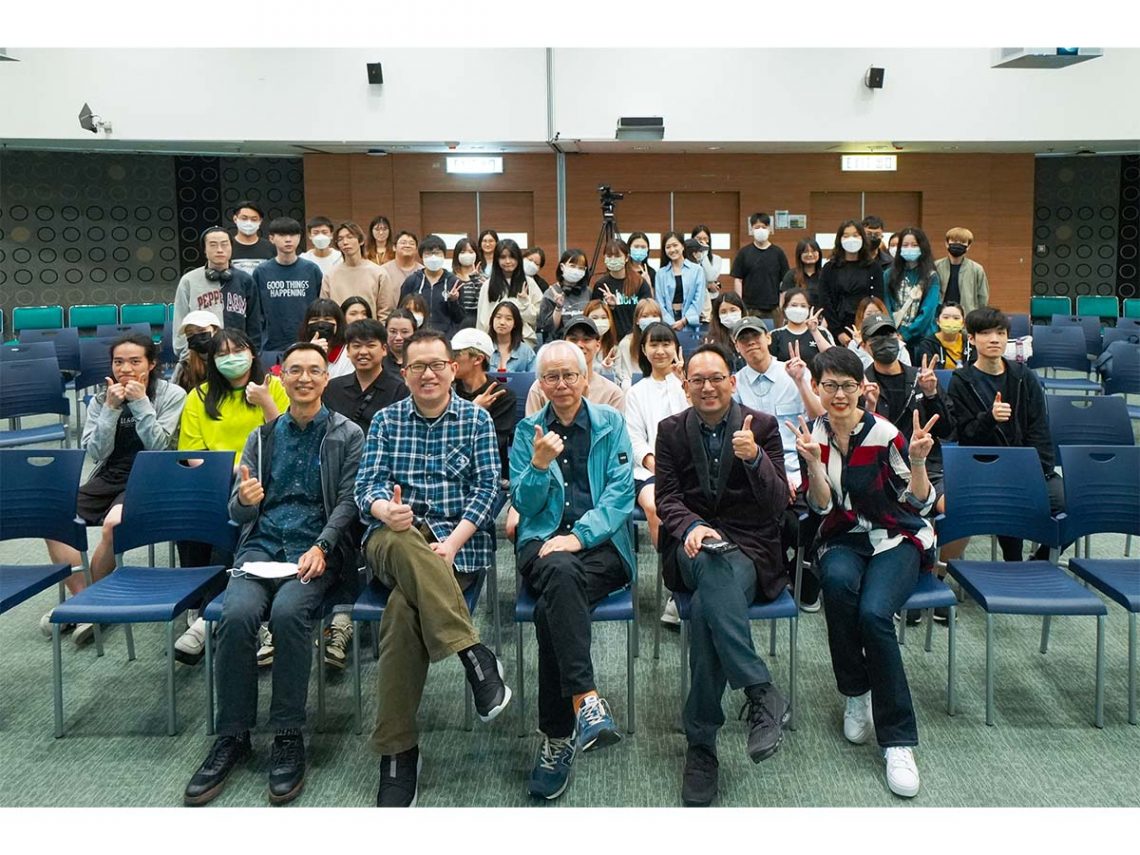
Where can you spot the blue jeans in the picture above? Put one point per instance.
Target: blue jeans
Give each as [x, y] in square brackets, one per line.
[860, 597]
[720, 647]
[292, 607]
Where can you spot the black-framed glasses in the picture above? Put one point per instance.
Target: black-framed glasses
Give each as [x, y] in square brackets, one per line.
[437, 366]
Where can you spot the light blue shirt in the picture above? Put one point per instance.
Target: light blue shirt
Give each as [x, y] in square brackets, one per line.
[776, 394]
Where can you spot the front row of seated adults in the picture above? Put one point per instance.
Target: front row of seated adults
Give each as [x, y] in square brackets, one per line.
[417, 497]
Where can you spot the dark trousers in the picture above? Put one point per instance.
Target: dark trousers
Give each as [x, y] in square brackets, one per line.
[720, 646]
[792, 530]
[860, 597]
[1011, 547]
[565, 585]
[292, 608]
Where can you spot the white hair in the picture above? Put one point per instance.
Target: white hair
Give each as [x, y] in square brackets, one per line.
[557, 348]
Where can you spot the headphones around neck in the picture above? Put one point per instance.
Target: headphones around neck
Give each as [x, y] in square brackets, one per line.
[213, 275]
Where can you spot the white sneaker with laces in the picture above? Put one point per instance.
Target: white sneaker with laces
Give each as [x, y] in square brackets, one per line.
[84, 632]
[45, 625]
[339, 638]
[192, 643]
[902, 773]
[670, 617]
[265, 651]
[858, 723]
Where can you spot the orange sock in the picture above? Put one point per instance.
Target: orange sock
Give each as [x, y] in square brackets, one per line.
[579, 698]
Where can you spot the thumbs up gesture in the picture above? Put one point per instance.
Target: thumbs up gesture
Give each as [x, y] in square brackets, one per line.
[250, 491]
[547, 447]
[395, 514]
[1001, 412]
[258, 393]
[744, 443]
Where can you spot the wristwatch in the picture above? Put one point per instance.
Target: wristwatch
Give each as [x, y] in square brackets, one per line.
[324, 546]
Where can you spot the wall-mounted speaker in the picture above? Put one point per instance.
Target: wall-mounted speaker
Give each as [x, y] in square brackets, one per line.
[874, 78]
[375, 73]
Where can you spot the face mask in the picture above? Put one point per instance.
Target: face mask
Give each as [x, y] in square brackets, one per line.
[797, 314]
[910, 253]
[233, 365]
[639, 255]
[615, 264]
[247, 227]
[698, 257]
[731, 320]
[875, 241]
[419, 319]
[957, 249]
[322, 328]
[760, 234]
[529, 267]
[646, 323]
[468, 258]
[885, 349]
[950, 327]
[812, 259]
[893, 250]
[434, 263]
[321, 241]
[573, 275]
[199, 342]
[851, 244]
[603, 325]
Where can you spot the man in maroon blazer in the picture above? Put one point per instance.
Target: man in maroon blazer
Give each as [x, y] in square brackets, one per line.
[721, 494]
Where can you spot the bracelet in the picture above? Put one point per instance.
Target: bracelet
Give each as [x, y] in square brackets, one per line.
[921, 463]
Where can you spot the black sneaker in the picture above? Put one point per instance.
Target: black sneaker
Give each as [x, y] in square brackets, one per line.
[699, 780]
[208, 781]
[913, 617]
[485, 674]
[399, 779]
[942, 615]
[768, 712]
[286, 766]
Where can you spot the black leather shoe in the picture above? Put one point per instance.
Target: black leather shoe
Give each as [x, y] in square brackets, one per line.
[767, 712]
[208, 781]
[699, 780]
[286, 766]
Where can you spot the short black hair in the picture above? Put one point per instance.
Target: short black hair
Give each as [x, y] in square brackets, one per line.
[985, 318]
[366, 329]
[253, 206]
[284, 226]
[839, 361]
[209, 231]
[872, 222]
[405, 232]
[303, 345]
[317, 222]
[432, 242]
[712, 347]
[428, 334]
[759, 217]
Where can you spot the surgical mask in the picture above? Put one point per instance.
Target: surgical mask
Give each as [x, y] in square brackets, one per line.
[573, 275]
[233, 365]
[603, 325]
[615, 264]
[760, 234]
[950, 327]
[910, 253]
[419, 319]
[893, 250]
[529, 267]
[434, 263]
[639, 255]
[468, 258]
[699, 257]
[248, 227]
[731, 320]
[322, 328]
[321, 241]
[646, 323]
[851, 244]
[199, 342]
[957, 249]
[797, 314]
[885, 349]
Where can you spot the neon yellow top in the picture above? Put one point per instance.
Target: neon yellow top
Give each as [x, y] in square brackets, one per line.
[238, 419]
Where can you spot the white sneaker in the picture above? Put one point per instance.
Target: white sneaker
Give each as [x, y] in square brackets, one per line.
[84, 633]
[858, 723]
[190, 646]
[902, 773]
[670, 616]
[812, 607]
[45, 625]
[339, 638]
[265, 651]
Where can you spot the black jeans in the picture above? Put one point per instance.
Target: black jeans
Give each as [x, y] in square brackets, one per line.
[565, 585]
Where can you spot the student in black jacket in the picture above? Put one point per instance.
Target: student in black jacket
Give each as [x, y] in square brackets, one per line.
[853, 274]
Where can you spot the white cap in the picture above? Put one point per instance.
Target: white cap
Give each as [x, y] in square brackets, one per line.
[471, 337]
[200, 318]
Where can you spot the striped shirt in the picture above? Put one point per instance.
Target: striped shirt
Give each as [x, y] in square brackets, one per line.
[448, 469]
[871, 508]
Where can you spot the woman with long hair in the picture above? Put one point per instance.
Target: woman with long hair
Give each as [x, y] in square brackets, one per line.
[680, 286]
[379, 246]
[488, 251]
[598, 312]
[801, 327]
[912, 288]
[511, 352]
[852, 274]
[399, 327]
[638, 243]
[567, 297]
[621, 286]
[463, 265]
[324, 325]
[355, 309]
[508, 281]
[198, 327]
[727, 313]
[950, 346]
[645, 313]
[805, 273]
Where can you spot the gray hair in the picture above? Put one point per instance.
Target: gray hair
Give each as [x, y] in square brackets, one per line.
[557, 348]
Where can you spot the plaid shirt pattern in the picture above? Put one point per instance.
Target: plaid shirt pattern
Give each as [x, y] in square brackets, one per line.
[448, 469]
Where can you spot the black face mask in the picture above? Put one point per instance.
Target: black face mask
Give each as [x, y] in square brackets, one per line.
[322, 328]
[875, 241]
[957, 249]
[199, 342]
[885, 349]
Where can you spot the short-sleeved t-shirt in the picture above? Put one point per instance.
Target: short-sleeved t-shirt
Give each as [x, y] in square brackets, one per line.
[760, 272]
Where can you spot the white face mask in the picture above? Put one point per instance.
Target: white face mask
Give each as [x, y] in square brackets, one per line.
[573, 275]
[419, 319]
[434, 263]
[615, 264]
[646, 323]
[893, 250]
[731, 319]
[321, 241]
[248, 227]
[529, 267]
[797, 314]
[851, 244]
[603, 325]
[760, 234]
[466, 258]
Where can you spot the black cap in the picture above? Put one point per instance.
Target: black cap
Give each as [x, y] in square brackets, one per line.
[750, 323]
[581, 321]
[877, 325]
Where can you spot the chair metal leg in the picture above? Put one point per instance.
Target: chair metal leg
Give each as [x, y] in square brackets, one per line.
[320, 723]
[630, 643]
[993, 548]
[209, 678]
[356, 674]
[636, 634]
[793, 656]
[952, 663]
[493, 593]
[772, 638]
[658, 605]
[57, 679]
[521, 678]
[171, 709]
[150, 553]
[87, 577]
[902, 628]
[684, 673]
[130, 643]
[467, 717]
[1045, 623]
[1128, 549]
[1132, 667]
[929, 616]
[989, 669]
[1098, 718]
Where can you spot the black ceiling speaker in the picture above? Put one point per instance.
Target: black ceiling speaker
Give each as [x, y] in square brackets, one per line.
[874, 78]
[375, 73]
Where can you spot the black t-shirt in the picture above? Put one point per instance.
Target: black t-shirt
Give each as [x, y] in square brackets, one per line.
[811, 285]
[503, 412]
[953, 292]
[246, 258]
[760, 272]
[782, 340]
[343, 395]
[127, 445]
[893, 390]
[678, 292]
[623, 311]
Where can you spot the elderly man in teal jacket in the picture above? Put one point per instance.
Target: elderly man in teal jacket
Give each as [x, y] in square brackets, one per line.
[572, 484]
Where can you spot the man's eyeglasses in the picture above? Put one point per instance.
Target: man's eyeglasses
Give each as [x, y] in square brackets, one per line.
[570, 378]
[418, 368]
[698, 382]
[298, 370]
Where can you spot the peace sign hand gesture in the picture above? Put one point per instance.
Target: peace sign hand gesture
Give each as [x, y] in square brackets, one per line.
[921, 439]
[610, 299]
[814, 318]
[927, 379]
[453, 294]
[795, 366]
[806, 445]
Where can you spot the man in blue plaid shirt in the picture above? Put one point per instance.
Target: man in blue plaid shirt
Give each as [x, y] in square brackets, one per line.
[426, 487]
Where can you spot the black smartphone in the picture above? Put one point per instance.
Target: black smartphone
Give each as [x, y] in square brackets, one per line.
[718, 547]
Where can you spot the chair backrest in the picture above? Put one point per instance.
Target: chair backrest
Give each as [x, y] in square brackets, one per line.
[269, 358]
[1018, 325]
[22, 352]
[943, 375]
[1045, 307]
[32, 387]
[1099, 307]
[1095, 420]
[65, 341]
[1090, 326]
[166, 354]
[1102, 490]
[1123, 375]
[94, 361]
[1059, 347]
[168, 500]
[998, 490]
[38, 492]
[36, 318]
[1131, 308]
[152, 314]
[1114, 334]
[519, 382]
[117, 330]
[1128, 324]
[89, 316]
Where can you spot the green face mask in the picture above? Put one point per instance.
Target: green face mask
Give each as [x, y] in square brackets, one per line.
[233, 365]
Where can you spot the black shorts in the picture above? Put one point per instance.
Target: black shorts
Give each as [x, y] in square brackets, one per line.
[96, 498]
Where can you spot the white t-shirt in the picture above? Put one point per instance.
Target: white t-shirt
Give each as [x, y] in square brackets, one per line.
[647, 402]
[325, 263]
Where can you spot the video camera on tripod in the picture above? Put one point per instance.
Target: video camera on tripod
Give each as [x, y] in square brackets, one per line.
[609, 198]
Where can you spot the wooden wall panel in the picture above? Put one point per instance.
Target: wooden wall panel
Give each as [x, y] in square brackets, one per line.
[447, 213]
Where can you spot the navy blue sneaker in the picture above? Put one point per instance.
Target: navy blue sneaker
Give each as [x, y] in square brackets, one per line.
[595, 725]
[553, 768]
